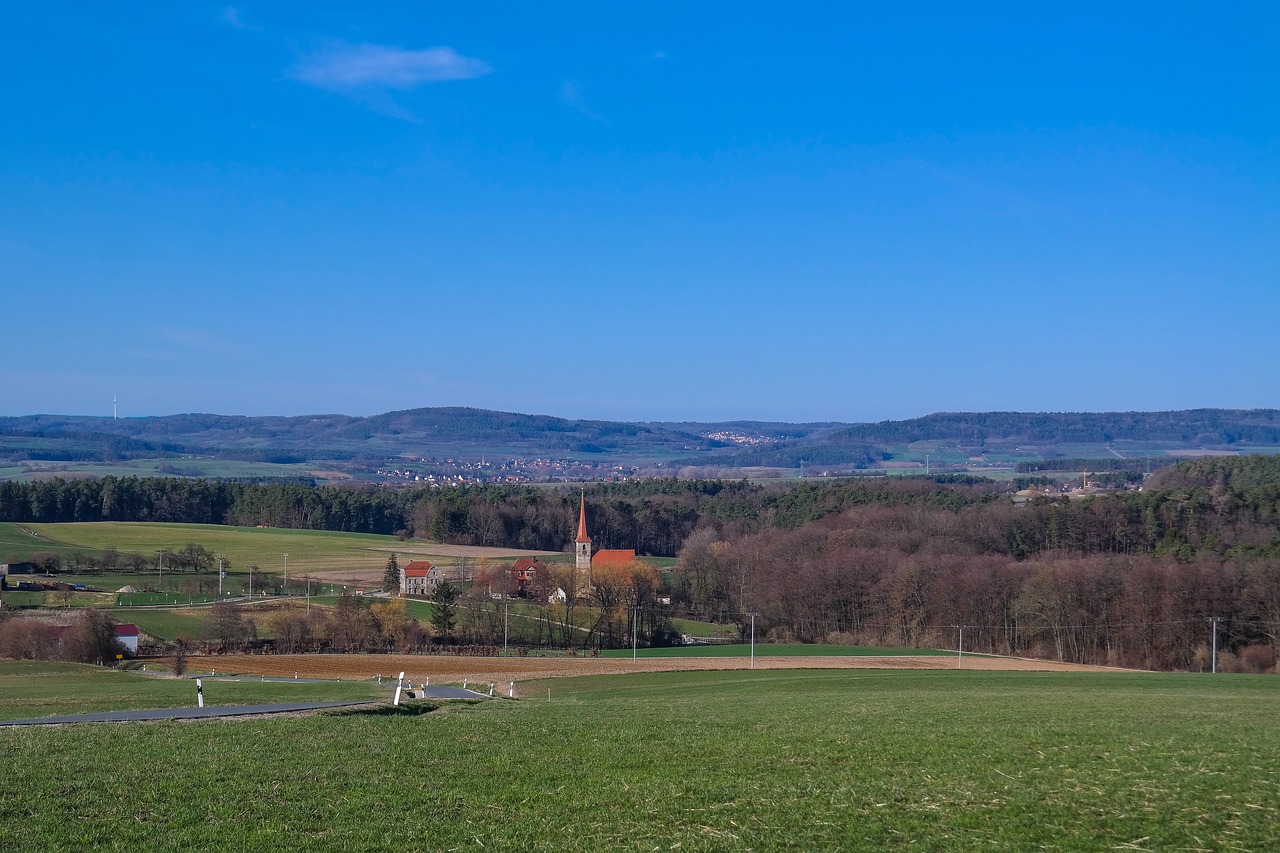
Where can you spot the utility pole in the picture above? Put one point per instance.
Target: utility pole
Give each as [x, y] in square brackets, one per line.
[286, 574]
[220, 576]
[752, 614]
[160, 581]
[1214, 620]
[506, 606]
[634, 611]
[960, 654]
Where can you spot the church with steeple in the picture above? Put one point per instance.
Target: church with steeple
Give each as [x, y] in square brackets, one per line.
[583, 542]
[585, 557]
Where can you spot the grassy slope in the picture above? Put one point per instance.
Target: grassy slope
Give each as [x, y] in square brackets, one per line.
[166, 624]
[705, 761]
[39, 689]
[308, 550]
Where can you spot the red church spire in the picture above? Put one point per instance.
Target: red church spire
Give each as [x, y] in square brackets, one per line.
[582, 521]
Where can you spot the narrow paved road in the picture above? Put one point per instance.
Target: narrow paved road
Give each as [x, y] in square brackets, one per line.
[442, 692]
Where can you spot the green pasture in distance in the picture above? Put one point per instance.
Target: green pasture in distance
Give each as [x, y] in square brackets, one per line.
[806, 760]
[742, 650]
[420, 609]
[20, 598]
[17, 544]
[164, 623]
[701, 629]
[308, 550]
[41, 689]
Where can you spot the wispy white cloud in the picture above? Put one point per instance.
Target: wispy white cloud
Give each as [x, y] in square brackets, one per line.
[570, 94]
[232, 16]
[662, 54]
[342, 67]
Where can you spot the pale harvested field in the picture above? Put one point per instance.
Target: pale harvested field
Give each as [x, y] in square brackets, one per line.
[470, 551]
[419, 667]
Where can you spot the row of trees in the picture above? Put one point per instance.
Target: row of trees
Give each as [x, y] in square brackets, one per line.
[911, 576]
[88, 638]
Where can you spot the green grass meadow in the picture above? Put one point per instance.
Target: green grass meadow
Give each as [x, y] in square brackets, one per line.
[763, 760]
[308, 550]
[38, 689]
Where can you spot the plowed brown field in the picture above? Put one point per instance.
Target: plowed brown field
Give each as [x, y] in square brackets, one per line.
[419, 667]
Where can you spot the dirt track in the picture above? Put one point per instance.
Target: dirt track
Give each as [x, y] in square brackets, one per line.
[525, 669]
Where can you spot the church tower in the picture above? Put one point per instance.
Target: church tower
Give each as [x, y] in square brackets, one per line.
[583, 542]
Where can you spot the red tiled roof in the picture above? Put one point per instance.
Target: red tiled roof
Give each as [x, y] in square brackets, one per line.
[418, 573]
[615, 555]
[419, 564]
[126, 629]
[524, 564]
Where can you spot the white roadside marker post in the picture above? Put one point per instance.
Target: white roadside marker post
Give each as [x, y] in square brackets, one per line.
[199, 693]
[399, 687]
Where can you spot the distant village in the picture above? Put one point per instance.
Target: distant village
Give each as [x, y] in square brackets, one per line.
[428, 471]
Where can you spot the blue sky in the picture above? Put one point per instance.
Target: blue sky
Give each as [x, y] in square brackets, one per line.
[639, 211]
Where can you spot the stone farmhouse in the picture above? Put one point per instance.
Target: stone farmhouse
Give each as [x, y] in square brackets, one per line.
[420, 577]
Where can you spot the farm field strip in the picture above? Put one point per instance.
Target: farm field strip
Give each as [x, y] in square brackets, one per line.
[309, 550]
[530, 668]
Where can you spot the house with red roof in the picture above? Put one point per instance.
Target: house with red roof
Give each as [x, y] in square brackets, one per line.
[420, 577]
[522, 572]
[127, 636]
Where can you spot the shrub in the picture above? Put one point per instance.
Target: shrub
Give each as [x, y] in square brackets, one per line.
[1260, 657]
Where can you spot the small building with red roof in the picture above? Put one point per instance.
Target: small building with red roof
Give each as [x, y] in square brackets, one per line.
[127, 636]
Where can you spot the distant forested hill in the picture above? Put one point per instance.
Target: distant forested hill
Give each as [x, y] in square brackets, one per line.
[1193, 426]
[468, 433]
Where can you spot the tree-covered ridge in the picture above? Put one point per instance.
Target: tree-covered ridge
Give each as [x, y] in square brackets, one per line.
[471, 433]
[1222, 474]
[1195, 426]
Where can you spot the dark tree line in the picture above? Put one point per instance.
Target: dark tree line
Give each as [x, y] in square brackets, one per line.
[90, 637]
[1126, 579]
[1195, 426]
[1210, 506]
